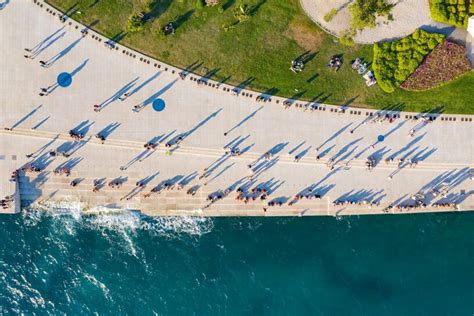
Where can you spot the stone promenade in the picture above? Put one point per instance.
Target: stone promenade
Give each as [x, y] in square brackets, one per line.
[192, 127]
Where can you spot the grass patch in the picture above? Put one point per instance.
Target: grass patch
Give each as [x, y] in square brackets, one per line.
[260, 50]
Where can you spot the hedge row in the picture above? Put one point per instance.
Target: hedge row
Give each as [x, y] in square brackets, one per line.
[395, 61]
[455, 12]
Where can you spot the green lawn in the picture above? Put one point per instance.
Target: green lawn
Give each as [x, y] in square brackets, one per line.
[260, 50]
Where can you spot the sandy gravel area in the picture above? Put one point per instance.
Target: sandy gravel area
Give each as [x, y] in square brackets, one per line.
[408, 16]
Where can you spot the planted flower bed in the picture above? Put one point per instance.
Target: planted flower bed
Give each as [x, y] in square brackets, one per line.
[395, 61]
[445, 63]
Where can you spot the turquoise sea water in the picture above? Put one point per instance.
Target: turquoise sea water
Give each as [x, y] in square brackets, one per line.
[54, 263]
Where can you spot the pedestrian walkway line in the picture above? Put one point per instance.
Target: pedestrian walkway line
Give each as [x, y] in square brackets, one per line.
[216, 153]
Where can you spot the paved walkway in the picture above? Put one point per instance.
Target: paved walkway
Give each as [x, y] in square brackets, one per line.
[197, 116]
[408, 15]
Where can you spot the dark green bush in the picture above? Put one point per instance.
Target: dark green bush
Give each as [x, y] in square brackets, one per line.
[135, 23]
[395, 61]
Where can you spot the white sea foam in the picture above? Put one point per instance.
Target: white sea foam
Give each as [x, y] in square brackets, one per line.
[68, 214]
[100, 285]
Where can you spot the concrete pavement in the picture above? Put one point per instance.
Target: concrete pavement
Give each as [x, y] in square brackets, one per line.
[201, 114]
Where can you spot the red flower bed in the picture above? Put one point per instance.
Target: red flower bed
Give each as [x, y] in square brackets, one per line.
[445, 63]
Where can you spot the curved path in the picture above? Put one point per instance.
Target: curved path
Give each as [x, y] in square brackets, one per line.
[408, 15]
[201, 114]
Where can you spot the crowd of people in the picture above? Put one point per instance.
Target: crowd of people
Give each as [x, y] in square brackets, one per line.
[7, 202]
[369, 204]
[335, 63]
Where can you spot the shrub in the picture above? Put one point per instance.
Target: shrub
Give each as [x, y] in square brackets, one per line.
[330, 15]
[445, 63]
[395, 61]
[135, 23]
[199, 4]
[455, 12]
[365, 12]
[242, 12]
[346, 37]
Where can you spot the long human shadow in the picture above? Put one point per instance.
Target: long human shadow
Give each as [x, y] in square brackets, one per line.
[295, 97]
[71, 147]
[275, 186]
[346, 104]
[106, 131]
[265, 166]
[45, 40]
[72, 9]
[296, 148]
[42, 161]
[326, 151]
[242, 85]
[27, 116]
[187, 179]
[254, 8]
[303, 153]
[40, 123]
[118, 37]
[158, 93]
[148, 179]
[312, 78]
[330, 174]
[213, 166]
[144, 83]
[346, 148]
[246, 149]
[362, 195]
[393, 130]
[407, 146]
[42, 48]
[347, 155]
[377, 156]
[269, 93]
[40, 150]
[117, 94]
[157, 8]
[79, 68]
[191, 68]
[55, 85]
[422, 155]
[83, 127]
[307, 56]
[202, 123]
[63, 53]
[209, 74]
[236, 142]
[248, 117]
[70, 164]
[334, 136]
[220, 173]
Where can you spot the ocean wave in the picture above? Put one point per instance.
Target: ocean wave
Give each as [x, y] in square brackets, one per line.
[68, 215]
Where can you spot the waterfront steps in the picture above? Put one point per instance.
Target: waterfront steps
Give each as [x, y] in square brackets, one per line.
[58, 191]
